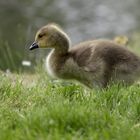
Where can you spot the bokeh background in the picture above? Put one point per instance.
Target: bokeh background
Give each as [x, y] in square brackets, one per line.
[81, 19]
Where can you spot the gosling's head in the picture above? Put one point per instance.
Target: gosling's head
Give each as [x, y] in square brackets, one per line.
[50, 36]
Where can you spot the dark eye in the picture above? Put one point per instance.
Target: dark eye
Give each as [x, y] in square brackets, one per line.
[41, 35]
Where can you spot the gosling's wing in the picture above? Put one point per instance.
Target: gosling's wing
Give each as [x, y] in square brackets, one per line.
[93, 55]
[83, 54]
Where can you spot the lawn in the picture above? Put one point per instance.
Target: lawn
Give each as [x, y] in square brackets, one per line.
[33, 107]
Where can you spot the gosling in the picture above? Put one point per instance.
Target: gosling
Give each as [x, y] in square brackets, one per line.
[122, 40]
[95, 63]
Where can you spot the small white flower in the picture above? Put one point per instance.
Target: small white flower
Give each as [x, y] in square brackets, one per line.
[26, 63]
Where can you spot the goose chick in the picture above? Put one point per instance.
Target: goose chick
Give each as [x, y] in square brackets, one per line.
[92, 63]
[122, 40]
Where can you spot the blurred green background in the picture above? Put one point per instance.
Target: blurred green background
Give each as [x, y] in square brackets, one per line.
[81, 19]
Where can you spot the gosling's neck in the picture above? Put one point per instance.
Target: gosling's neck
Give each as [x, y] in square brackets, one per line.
[61, 46]
[58, 55]
[59, 41]
[60, 50]
[57, 58]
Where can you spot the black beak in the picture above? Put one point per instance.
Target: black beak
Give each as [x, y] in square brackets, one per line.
[34, 46]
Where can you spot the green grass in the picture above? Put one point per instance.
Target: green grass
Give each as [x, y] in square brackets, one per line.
[46, 110]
